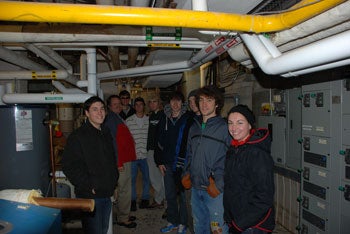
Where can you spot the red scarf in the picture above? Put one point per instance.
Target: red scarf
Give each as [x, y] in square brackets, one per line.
[236, 143]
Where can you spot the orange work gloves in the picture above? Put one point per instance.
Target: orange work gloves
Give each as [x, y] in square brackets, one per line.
[186, 181]
[212, 190]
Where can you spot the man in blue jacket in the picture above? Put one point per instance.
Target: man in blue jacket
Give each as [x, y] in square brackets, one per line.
[170, 133]
[208, 140]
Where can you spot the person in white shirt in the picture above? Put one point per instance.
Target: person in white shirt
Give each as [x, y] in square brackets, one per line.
[138, 125]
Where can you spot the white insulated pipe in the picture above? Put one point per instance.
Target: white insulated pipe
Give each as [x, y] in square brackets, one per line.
[58, 85]
[214, 49]
[22, 61]
[52, 38]
[304, 33]
[44, 98]
[56, 57]
[318, 68]
[43, 55]
[32, 75]
[168, 68]
[328, 50]
[91, 70]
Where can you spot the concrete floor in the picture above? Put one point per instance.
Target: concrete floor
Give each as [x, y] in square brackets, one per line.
[150, 221]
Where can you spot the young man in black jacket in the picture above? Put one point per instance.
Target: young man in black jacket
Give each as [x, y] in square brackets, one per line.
[90, 163]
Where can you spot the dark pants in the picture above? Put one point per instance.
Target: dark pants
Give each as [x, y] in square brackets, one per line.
[176, 200]
[97, 222]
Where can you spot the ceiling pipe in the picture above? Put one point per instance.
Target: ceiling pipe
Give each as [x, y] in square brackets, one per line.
[57, 58]
[145, 16]
[44, 98]
[214, 49]
[43, 55]
[313, 55]
[34, 75]
[19, 60]
[202, 5]
[48, 38]
[318, 68]
[334, 21]
[60, 87]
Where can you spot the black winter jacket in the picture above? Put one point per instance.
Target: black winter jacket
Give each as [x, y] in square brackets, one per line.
[169, 137]
[89, 162]
[249, 184]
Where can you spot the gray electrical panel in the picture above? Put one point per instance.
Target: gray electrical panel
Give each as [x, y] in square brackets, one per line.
[325, 193]
[293, 129]
[277, 128]
[345, 161]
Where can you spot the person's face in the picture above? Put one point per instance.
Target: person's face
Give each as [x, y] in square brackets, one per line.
[207, 106]
[153, 104]
[139, 107]
[238, 126]
[175, 105]
[115, 105]
[192, 104]
[125, 100]
[96, 114]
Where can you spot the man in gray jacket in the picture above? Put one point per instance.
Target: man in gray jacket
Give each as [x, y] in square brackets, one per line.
[208, 140]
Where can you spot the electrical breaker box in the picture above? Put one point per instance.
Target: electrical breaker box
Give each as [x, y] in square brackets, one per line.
[277, 128]
[322, 171]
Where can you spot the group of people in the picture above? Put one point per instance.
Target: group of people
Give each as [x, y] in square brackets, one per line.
[215, 174]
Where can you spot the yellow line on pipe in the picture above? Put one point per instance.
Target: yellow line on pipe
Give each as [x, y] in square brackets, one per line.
[102, 14]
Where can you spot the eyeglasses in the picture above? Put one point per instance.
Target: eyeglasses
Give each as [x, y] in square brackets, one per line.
[125, 98]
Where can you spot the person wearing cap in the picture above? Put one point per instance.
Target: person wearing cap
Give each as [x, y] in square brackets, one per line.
[128, 110]
[170, 133]
[208, 141]
[249, 179]
[138, 124]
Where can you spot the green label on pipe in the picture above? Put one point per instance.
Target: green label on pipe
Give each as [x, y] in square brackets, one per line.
[150, 33]
[53, 98]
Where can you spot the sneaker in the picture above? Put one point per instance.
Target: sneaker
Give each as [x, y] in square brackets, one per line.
[144, 204]
[181, 229]
[168, 228]
[133, 206]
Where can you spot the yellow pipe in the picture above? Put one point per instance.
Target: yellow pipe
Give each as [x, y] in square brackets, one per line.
[102, 14]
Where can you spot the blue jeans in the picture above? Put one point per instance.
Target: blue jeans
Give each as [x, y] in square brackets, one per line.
[97, 222]
[135, 165]
[208, 212]
[176, 200]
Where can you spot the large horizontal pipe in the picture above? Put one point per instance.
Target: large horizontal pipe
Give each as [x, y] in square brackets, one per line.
[29, 75]
[145, 16]
[43, 98]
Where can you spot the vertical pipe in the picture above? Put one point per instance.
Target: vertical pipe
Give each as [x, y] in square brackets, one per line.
[91, 61]
[52, 158]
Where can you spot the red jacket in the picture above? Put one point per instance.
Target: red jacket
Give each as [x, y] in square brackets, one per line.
[125, 145]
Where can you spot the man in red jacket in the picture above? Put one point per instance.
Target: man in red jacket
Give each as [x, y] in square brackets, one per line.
[125, 148]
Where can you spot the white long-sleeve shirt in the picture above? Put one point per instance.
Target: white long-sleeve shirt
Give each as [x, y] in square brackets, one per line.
[139, 130]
